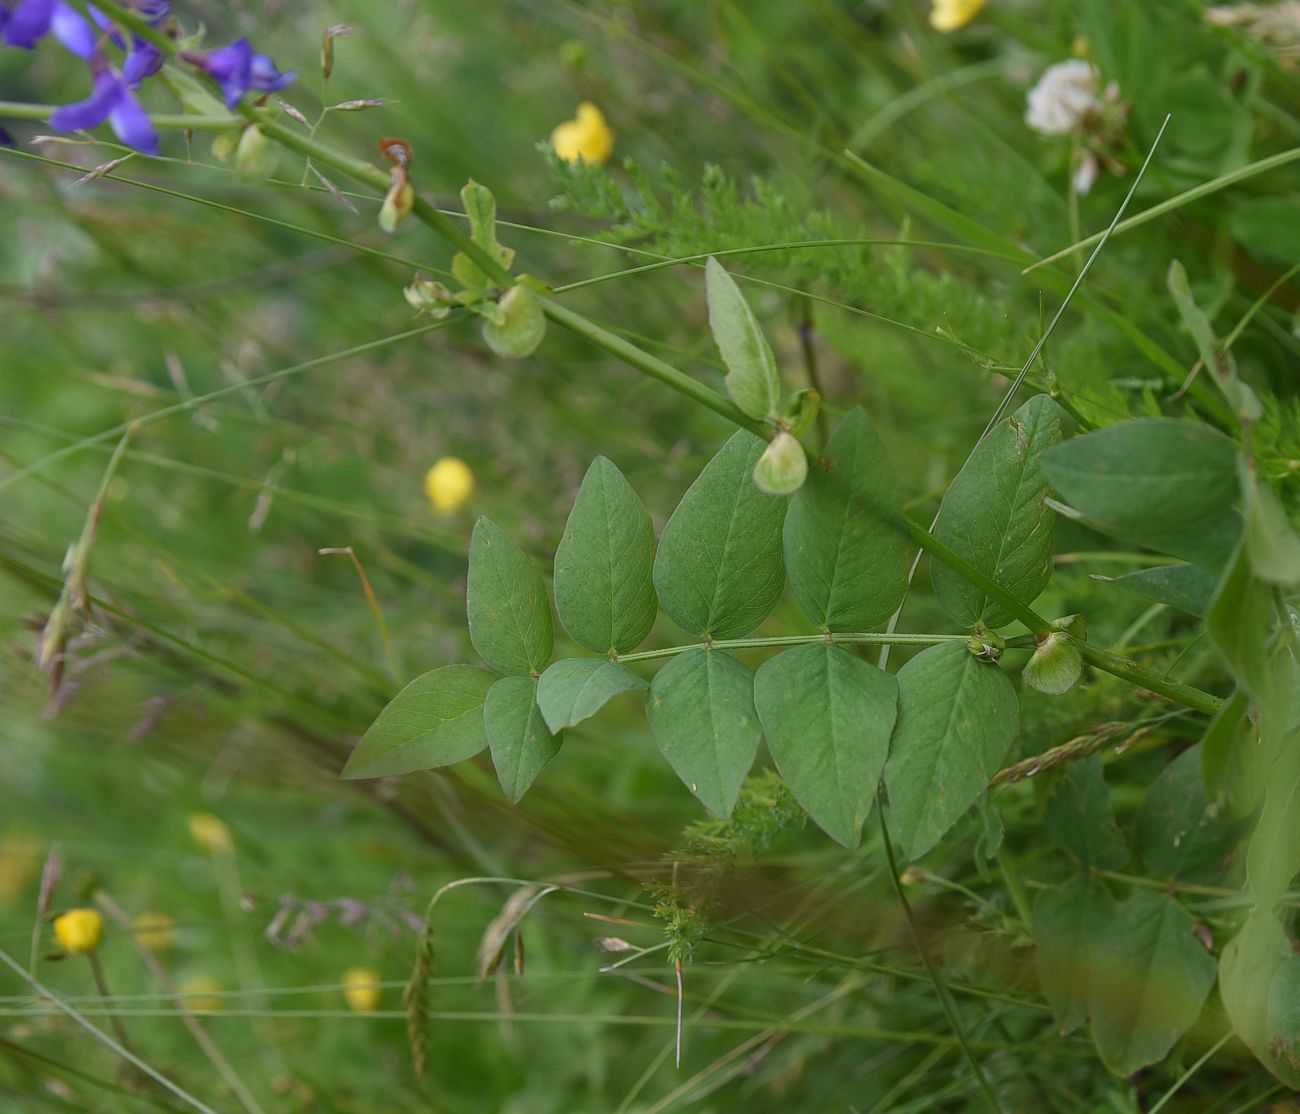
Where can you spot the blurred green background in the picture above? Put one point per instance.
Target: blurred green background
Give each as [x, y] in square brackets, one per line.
[227, 666]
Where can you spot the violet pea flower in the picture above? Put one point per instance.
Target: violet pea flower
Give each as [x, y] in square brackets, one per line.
[111, 100]
[237, 70]
[28, 21]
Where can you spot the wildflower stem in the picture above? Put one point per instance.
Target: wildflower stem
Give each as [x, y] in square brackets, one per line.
[16, 110]
[855, 638]
[121, 1050]
[1105, 660]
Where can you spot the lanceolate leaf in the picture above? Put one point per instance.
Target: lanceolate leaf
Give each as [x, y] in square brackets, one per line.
[509, 615]
[1081, 820]
[1162, 482]
[719, 571]
[827, 716]
[1178, 834]
[956, 718]
[573, 689]
[994, 516]
[1067, 923]
[701, 709]
[436, 720]
[845, 544]
[1186, 587]
[520, 740]
[752, 377]
[1149, 983]
[604, 589]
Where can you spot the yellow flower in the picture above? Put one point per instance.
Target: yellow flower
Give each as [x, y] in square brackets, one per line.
[449, 484]
[587, 136]
[79, 931]
[155, 931]
[949, 15]
[20, 859]
[210, 833]
[361, 989]
[198, 994]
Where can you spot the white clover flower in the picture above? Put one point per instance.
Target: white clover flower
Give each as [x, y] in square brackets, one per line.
[1063, 98]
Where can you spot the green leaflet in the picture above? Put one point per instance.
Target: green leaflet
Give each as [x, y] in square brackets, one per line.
[1238, 620]
[846, 548]
[1067, 923]
[1151, 977]
[604, 565]
[574, 689]
[509, 615]
[1271, 543]
[436, 720]
[718, 571]
[994, 515]
[701, 709]
[956, 718]
[753, 380]
[1251, 961]
[1228, 765]
[1178, 834]
[1186, 587]
[1161, 482]
[1218, 362]
[1081, 820]
[520, 741]
[827, 716]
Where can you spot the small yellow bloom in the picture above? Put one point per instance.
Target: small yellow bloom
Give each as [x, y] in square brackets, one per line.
[199, 994]
[20, 859]
[449, 484]
[79, 931]
[361, 989]
[155, 931]
[210, 833]
[949, 15]
[588, 136]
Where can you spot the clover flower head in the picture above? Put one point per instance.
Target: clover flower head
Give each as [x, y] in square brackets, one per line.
[210, 833]
[1064, 98]
[950, 15]
[361, 989]
[586, 138]
[449, 484]
[111, 99]
[79, 931]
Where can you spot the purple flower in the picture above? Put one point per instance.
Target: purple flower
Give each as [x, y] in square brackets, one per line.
[28, 21]
[237, 70]
[74, 30]
[143, 60]
[111, 100]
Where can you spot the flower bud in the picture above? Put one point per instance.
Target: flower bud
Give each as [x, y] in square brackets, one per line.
[361, 989]
[79, 931]
[252, 153]
[398, 202]
[783, 467]
[449, 484]
[426, 296]
[200, 994]
[210, 833]
[155, 931]
[1056, 665]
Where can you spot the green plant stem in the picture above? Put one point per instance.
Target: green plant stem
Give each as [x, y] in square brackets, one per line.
[653, 366]
[15, 110]
[945, 999]
[863, 638]
[1107, 662]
